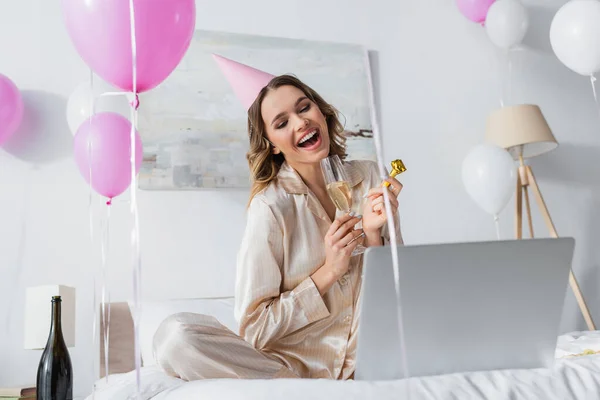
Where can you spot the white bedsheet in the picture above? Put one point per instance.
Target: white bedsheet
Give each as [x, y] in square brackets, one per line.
[571, 378]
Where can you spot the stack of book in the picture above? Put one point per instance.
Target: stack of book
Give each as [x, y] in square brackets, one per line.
[17, 393]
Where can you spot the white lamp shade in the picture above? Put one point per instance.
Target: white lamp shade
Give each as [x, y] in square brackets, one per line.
[38, 315]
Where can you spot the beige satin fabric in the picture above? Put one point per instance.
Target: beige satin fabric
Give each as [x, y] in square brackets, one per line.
[195, 346]
[287, 329]
[278, 307]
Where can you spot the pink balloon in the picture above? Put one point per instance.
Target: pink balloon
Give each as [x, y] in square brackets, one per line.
[11, 108]
[475, 10]
[104, 145]
[100, 31]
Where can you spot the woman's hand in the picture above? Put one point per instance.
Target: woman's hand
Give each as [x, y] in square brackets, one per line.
[374, 214]
[340, 241]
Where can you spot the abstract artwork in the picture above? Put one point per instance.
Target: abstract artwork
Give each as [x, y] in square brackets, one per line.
[194, 129]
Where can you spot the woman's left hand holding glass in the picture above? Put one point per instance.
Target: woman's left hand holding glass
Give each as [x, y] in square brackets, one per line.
[374, 213]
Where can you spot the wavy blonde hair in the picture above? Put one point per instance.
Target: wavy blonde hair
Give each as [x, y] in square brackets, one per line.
[264, 165]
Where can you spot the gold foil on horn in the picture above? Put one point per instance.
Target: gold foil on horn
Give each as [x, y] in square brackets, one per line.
[397, 168]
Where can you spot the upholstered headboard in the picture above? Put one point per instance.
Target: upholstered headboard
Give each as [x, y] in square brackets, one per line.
[121, 356]
[120, 342]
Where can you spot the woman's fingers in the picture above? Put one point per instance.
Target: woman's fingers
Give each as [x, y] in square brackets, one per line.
[343, 229]
[381, 208]
[339, 222]
[351, 238]
[374, 192]
[395, 185]
[394, 188]
[380, 201]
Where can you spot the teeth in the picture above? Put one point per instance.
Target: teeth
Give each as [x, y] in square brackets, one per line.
[308, 136]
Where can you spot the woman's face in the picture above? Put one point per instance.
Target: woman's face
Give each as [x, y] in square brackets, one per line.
[295, 126]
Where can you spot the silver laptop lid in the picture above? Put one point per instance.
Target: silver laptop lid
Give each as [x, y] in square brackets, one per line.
[466, 307]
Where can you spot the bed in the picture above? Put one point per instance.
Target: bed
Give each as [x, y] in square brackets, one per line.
[576, 374]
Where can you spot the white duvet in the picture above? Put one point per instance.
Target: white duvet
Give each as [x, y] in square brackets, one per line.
[571, 378]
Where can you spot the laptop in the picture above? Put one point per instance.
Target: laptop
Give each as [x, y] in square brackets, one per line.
[465, 307]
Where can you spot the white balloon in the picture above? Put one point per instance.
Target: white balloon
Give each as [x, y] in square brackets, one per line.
[79, 105]
[489, 175]
[506, 23]
[575, 36]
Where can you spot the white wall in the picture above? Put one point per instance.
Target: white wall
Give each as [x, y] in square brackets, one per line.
[439, 78]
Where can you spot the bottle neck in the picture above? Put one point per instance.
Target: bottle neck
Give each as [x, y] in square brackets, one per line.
[56, 326]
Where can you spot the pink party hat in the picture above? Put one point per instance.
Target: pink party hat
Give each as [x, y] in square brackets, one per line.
[246, 81]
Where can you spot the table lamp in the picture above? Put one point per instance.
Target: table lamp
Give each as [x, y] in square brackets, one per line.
[38, 315]
[524, 132]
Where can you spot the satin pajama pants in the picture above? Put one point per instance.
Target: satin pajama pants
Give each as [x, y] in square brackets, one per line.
[194, 346]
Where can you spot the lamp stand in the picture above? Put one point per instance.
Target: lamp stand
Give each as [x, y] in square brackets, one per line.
[525, 179]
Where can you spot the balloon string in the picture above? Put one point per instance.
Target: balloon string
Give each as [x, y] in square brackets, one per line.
[502, 80]
[94, 335]
[505, 79]
[95, 320]
[112, 94]
[89, 147]
[509, 79]
[137, 267]
[593, 82]
[497, 223]
[104, 292]
[391, 222]
[17, 271]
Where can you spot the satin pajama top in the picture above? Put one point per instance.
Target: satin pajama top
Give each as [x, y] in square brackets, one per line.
[277, 305]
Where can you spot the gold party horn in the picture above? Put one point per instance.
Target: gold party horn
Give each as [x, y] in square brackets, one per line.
[397, 168]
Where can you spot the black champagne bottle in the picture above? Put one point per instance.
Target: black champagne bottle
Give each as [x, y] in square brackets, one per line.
[55, 374]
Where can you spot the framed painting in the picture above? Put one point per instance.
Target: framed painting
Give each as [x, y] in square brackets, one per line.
[194, 129]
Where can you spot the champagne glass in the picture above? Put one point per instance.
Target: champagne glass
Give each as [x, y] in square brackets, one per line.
[338, 188]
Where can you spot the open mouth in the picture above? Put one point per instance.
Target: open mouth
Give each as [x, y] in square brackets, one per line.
[310, 139]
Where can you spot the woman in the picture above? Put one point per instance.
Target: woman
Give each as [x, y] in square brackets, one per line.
[297, 285]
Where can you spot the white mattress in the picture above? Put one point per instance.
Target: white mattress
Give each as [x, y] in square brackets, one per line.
[571, 378]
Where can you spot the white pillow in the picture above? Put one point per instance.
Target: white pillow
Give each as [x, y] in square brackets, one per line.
[155, 312]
